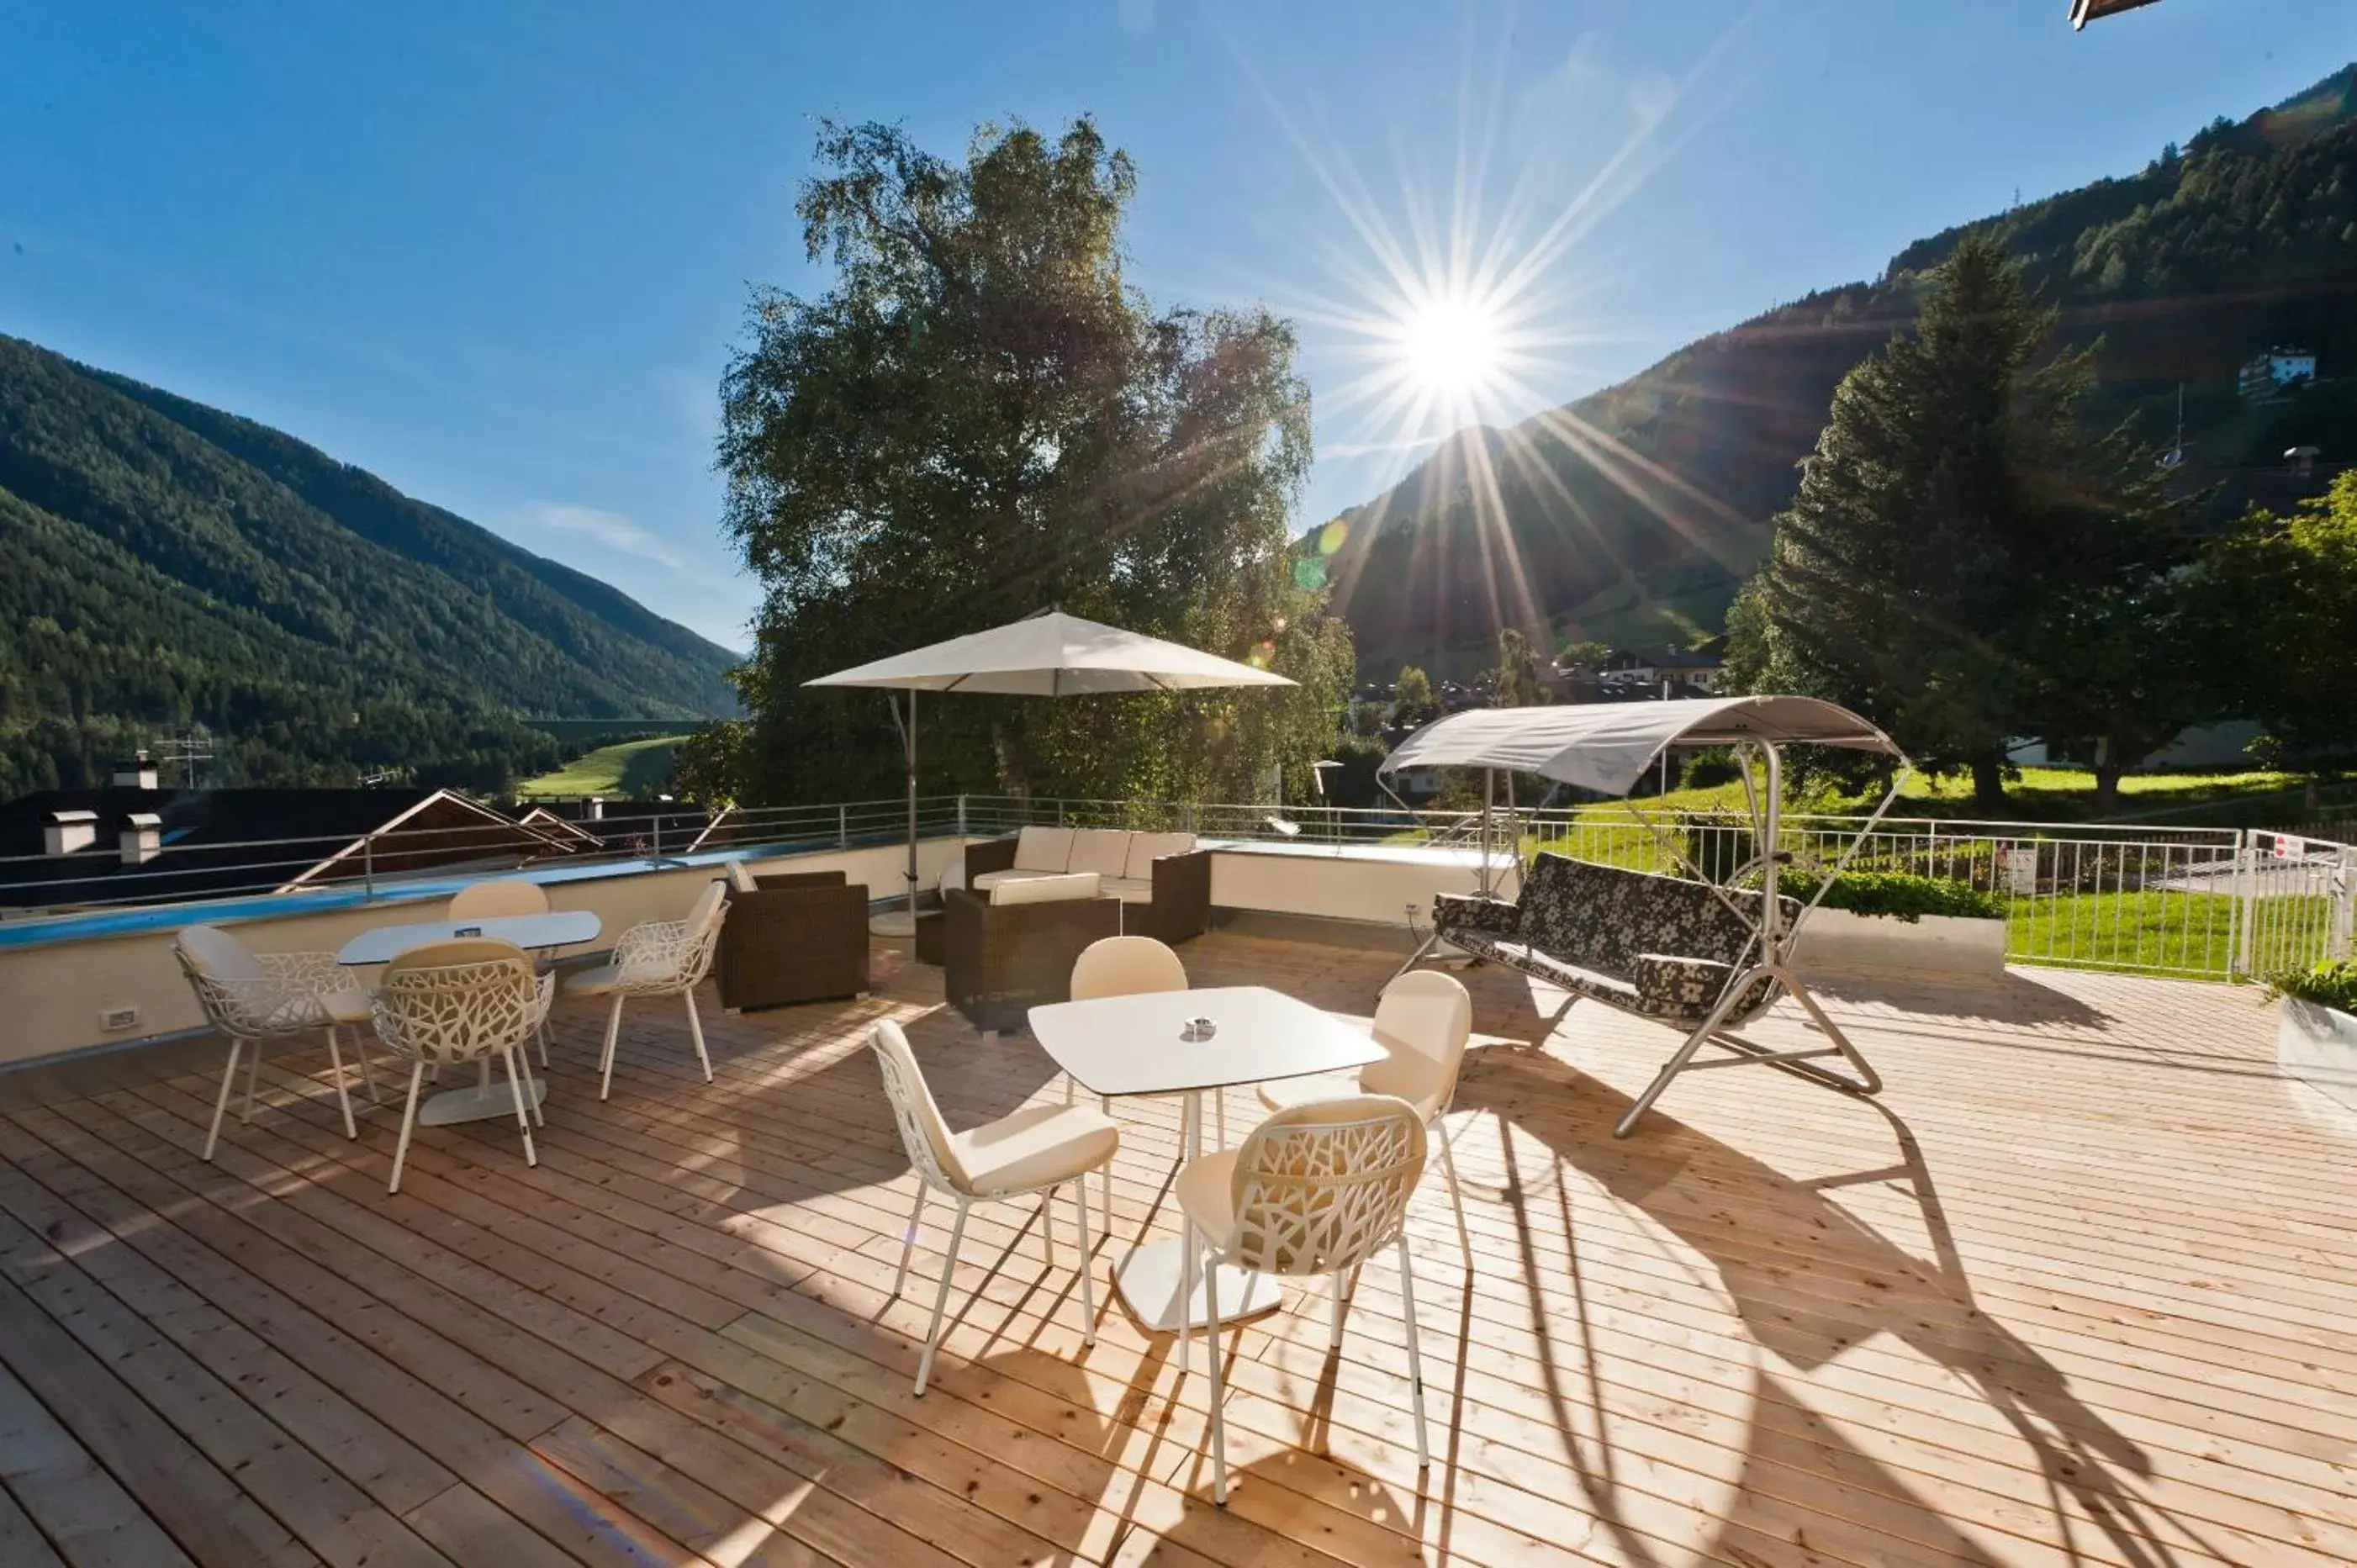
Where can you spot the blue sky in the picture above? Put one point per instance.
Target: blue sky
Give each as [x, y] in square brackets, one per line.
[498, 253]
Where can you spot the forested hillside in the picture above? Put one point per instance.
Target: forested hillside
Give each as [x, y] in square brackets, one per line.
[167, 565]
[1632, 514]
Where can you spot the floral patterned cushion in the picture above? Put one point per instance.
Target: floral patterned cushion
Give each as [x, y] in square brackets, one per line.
[1661, 945]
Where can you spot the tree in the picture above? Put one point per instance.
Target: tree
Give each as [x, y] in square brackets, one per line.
[1412, 702]
[1516, 684]
[1965, 563]
[1586, 656]
[2288, 588]
[980, 419]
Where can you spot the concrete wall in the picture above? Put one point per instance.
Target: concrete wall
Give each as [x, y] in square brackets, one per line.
[1344, 884]
[53, 997]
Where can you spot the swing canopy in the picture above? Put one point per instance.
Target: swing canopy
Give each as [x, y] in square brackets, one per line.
[1608, 747]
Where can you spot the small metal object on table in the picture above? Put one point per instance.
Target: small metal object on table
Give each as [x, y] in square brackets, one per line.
[1154, 1043]
[532, 932]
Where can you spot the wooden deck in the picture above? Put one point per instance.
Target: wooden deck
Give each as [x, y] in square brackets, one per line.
[2081, 1287]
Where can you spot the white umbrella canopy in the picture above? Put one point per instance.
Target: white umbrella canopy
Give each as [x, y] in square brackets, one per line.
[1049, 654]
[1608, 747]
[1053, 655]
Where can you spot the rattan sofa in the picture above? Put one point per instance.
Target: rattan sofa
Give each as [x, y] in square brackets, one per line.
[798, 936]
[1163, 880]
[1000, 960]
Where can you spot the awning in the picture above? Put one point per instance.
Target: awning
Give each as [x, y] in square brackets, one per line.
[1608, 747]
[1053, 655]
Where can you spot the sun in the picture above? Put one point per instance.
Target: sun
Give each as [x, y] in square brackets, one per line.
[1451, 346]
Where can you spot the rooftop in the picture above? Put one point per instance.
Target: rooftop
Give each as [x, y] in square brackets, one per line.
[2076, 1289]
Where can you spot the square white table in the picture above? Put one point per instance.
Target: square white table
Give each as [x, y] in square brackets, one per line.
[1130, 1045]
[558, 929]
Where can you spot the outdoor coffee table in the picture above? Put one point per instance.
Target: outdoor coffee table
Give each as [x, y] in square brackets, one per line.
[542, 933]
[1132, 1045]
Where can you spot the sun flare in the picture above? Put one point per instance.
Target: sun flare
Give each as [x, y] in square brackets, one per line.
[1451, 346]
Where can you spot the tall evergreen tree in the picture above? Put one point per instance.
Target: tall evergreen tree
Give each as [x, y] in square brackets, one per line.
[1963, 562]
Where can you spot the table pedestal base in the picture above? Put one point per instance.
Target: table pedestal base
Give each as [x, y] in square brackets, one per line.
[1148, 1280]
[892, 923]
[479, 1103]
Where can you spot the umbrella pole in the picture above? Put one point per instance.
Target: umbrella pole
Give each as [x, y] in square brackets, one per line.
[909, 743]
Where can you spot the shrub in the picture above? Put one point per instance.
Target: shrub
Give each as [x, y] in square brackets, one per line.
[2327, 985]
[1899, 894]
[1711, 767]
[1717, 843]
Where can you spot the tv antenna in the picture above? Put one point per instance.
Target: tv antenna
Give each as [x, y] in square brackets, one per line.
[2174, 456]
[186, 750]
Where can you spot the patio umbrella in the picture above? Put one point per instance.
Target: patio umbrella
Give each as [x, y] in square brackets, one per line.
[1049, 654]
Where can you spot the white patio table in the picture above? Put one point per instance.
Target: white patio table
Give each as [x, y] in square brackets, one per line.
[533, 933]
[1132, 1044]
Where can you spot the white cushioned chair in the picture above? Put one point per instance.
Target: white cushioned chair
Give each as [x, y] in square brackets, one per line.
[257, 998]
[1422, 1022]
[1315, 1189]
[476, 999]
[660, 958]
[502, 898]
[1035, 1150]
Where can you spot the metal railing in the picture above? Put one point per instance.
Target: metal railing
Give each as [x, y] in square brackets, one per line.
[2211, 902]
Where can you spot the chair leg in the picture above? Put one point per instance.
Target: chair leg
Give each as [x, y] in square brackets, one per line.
[1415, 1355]
[1048, 1224]
[1334, 1334]
[252, 1071]
[1456, 1199]
[1219, 1421]
[695, 1027]
[221, 1102]
[1220, 1119]
[942, 1295]
[523, 1117]
[343, 1095]
[408, 1125]
[605, 1057]
[1104, 1177]
[543, 1045]
[1088, 1273]
[368, 1068]
[1185, 1295]
[908, 1241]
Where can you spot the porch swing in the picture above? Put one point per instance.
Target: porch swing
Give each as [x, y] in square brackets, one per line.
[1691, 951]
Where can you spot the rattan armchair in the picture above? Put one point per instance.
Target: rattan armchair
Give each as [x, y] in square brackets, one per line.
[1003, 959]
[801, 937]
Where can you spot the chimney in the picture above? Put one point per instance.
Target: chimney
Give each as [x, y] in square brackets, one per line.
[143, 838]
[596, 809]
[136, 772]
[67, 832]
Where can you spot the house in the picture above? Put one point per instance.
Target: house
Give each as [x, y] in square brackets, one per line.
[133, 841]
[2274, 372]
[1687, 671]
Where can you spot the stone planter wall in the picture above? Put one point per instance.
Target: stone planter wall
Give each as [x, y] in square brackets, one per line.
[2318, 1046]
[1940, 944]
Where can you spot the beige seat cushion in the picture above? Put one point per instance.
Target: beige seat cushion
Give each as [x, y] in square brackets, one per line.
[1037, 1146]
[1206, 1190]
[1043, 849]
[599, 982]
[990, 879]
[1283, 1093]
[1144, 849]
[1101, 850]
[347, 1006]
[1046, 890]
[1129, 890]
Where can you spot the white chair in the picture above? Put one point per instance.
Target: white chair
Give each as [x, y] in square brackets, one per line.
[1422, 1022]
[1315, 1189]
[1127, 966]
[449, 1004]
[1035, 1150]
[500, 897]
[255, 998]
[660, 958]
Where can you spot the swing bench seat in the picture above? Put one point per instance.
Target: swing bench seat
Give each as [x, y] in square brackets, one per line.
[1660, 946]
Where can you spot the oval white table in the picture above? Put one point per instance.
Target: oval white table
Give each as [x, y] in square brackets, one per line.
[1131, 1045]
[558, 929]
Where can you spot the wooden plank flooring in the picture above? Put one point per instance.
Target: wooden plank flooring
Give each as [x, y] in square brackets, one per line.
[2080, 1288]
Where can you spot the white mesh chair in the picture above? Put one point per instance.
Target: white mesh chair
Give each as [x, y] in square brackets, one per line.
[449, 1004]
[1315, 1189]
[1035, 1150]
[257, 998]
[500, 896]
[1127, 966]
[1422, 1022]
[660, 958]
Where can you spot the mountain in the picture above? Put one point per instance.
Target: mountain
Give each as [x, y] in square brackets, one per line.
[168, 565]
[1632, 514]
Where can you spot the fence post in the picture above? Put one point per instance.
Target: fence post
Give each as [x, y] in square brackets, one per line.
[962, 816]
[367, 866]
[2246, 900]
[2344, 905]
[843, 826]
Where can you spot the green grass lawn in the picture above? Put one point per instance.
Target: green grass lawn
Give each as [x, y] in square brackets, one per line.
[2185, 933]
[630, 768]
